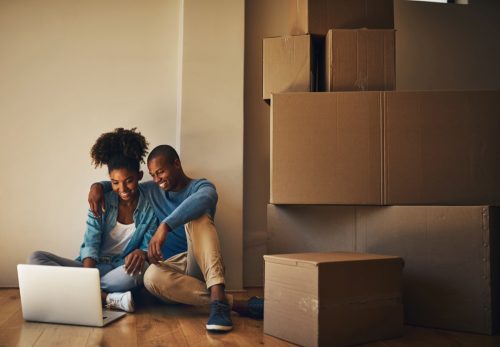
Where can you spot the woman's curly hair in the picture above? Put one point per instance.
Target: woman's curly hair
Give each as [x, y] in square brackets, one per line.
[120, 148]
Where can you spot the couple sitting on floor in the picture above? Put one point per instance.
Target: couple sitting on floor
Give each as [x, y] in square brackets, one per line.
[167, 223]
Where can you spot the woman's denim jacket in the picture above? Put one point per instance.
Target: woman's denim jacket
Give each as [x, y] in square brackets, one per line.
[145, 224]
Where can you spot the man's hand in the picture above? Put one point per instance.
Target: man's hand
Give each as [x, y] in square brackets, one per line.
[96, 200]
[157, 241]
[89, 262]
[134, 262]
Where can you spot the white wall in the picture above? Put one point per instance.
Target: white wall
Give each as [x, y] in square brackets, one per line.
[71, 70]
[211, 128]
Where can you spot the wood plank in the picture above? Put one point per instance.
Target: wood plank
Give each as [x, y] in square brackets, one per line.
[55, 335]
[157, 327]
[17, 332]
[10, 303]
[120, 333]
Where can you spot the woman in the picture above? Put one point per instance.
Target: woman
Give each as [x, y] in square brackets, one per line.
[117, 242]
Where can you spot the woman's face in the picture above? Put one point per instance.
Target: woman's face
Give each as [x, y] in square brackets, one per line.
[125, 183]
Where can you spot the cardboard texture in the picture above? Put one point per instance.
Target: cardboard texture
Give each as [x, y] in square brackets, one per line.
[442, 147]
[451, 254]
[326, 148]
[318, 16]
[292, 64]
[362, 59]
[333, 299]
[385, 148]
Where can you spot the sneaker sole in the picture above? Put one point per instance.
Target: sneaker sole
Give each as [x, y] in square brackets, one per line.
[215, 327]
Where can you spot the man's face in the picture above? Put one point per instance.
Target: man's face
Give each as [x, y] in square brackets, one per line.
[164, 173]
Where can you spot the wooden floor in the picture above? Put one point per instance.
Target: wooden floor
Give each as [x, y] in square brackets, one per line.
[164, 325]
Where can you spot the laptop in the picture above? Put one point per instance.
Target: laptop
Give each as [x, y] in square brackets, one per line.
[66, 295]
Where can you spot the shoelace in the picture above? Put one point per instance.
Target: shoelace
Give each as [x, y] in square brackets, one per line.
[113, 302]
[219, 307]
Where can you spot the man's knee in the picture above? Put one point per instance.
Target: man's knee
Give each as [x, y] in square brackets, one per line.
[203, 220]
[155, 276]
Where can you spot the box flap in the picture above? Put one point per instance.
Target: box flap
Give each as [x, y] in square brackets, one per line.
[316, 259]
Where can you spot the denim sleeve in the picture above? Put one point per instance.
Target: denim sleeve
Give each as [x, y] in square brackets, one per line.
[203, 200]
[106, 186]
[92, 238]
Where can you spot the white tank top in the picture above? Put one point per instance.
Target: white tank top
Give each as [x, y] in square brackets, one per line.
[117, 239]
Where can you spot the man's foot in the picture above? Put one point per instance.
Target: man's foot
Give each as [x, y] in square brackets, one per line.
[255, 307]
[220, 317]
[120, 301]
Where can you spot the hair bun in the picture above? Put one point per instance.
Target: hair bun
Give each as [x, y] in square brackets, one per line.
[119, 143]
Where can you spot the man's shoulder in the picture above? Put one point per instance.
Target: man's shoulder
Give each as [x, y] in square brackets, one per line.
[200, 183]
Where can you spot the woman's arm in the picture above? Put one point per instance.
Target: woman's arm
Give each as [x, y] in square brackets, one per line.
[91, 239]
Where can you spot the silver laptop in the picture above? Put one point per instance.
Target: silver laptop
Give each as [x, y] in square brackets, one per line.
[67, 295]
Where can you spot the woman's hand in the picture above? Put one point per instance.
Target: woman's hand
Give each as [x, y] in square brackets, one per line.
[96, 199]
[89, 262]
[156, 243]
[134, 262]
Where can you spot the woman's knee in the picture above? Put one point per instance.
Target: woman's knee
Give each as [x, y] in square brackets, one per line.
[37, 257]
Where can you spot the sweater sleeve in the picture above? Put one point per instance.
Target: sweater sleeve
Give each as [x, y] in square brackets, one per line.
[201, 201]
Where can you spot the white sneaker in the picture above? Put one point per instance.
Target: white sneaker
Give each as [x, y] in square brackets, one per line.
[120, 301]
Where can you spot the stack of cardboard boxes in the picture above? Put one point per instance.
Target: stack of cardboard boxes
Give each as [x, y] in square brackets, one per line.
[362, 143]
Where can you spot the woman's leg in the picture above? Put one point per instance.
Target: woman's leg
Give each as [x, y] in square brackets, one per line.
[46, 258]
[117, 280]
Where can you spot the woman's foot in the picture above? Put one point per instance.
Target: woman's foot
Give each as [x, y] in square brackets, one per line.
[120, 301]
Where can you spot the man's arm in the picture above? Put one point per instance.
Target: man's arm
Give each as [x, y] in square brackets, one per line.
[203, 200]
[96, 197]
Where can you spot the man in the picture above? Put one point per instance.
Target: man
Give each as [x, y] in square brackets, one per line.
[184, 251]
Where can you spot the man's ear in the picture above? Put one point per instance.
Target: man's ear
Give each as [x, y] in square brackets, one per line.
[177, 163]
[141, 175]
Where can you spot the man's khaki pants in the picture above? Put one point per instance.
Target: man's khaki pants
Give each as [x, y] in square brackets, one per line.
[186, 277]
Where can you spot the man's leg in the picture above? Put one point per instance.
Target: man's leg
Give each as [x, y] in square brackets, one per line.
[185, 277]
[169, 282]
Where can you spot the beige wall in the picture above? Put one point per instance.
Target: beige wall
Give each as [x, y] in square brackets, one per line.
[438, 47]
[211, 126]
[71, 70]
[263, 18]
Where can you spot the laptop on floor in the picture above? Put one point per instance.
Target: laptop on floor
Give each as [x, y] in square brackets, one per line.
[67, 295]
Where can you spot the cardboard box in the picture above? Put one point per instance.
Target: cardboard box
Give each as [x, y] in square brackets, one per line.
[361, 59]
[442, 148]
[292, 64]
[451, 254]
[326, 148]
[318, 16]
[333, 299]
[385, 148]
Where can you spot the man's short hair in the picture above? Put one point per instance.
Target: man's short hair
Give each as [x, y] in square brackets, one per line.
[166, 151]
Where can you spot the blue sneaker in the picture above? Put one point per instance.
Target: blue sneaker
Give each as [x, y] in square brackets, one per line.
[256, 307]
[220, 317]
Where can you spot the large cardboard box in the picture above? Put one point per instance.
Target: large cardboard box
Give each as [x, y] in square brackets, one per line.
[333, 299]
[292, 64]
[442, 147]
[318, 16]
[451, 254]
[326, 148]
[360, 59]
[377, 148]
